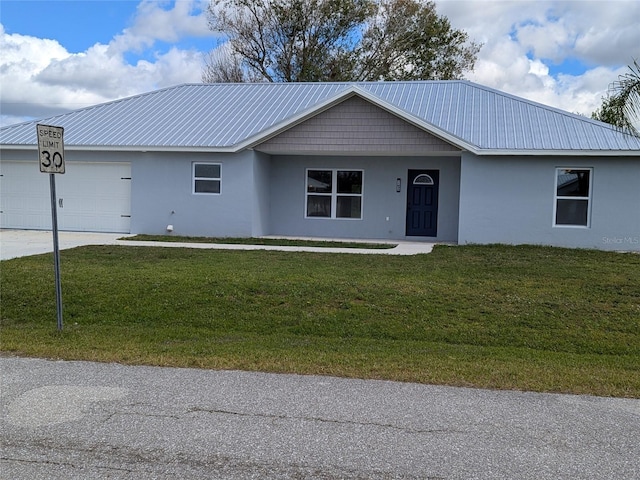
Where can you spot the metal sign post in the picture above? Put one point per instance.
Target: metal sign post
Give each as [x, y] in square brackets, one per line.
[51, 154]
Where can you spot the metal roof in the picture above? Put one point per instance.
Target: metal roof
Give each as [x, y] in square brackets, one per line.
[231, 117]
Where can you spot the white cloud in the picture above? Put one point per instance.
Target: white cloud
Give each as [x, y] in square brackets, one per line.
[185, 19]
[525, 40]
[40, 77]
[152, 23]
[23, 57]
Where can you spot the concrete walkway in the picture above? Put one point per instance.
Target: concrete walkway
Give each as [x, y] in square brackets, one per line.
[21, 243]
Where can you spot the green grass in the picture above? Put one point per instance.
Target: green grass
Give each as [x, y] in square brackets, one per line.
[528, 318]
[288, 242]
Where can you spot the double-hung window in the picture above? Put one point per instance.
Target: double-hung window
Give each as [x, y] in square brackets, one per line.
[573, 197]
[206, 178]
[332, 193]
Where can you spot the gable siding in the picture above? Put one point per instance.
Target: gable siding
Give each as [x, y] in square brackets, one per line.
[355, 126]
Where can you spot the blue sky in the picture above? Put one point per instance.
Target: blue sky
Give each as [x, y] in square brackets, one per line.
[79, 24]
[62, 55]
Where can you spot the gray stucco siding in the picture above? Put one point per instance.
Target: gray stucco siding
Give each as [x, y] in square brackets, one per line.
[383, 209]
[262, 197]
[482, 199]
[163, 195]
[511, 200]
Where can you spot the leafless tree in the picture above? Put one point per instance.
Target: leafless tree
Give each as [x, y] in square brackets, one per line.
[336, 40]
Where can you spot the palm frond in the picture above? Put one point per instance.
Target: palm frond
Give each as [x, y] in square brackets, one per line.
[626, 91]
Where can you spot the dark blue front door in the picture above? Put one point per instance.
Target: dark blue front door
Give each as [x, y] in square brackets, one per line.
[422, 203]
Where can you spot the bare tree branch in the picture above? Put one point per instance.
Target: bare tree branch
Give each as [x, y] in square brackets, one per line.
[339, 40]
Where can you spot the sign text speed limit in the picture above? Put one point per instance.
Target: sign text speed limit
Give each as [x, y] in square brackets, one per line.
[51, 148]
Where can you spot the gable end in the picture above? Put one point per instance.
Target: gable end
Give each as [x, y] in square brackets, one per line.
[355, 126]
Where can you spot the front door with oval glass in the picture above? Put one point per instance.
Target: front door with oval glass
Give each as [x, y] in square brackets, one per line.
[422, 203]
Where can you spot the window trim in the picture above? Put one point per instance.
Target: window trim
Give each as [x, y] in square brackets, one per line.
[334, 193]
[557, 197]
[194, 178]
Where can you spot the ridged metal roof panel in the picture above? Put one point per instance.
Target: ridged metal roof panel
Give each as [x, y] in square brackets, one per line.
[222, 116]
[493, 120]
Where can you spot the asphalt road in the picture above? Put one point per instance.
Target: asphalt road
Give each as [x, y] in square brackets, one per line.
[83, 420]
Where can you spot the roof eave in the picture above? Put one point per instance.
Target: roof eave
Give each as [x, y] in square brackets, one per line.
[557, 153]
[239, 147]
[130, 148]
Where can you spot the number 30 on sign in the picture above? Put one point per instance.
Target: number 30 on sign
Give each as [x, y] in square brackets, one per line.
[51, 148]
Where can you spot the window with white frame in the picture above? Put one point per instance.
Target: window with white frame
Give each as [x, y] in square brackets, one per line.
[573, 197]
[333, 193]
[206, 178]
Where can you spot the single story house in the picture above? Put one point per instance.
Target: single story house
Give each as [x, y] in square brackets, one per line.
[436, 161]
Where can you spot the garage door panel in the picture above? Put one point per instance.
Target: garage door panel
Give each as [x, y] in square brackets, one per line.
[91, 197]
[24, 196]
[30, 220]
[92, 223]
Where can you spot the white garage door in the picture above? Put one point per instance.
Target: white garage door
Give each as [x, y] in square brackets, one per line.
[92, 197]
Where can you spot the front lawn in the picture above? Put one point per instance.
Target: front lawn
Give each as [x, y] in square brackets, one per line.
[530, 318]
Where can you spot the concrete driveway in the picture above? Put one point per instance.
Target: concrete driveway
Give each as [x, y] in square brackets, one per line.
[21, 243]
[80, 420]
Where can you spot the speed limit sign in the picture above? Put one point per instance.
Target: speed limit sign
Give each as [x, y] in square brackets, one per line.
[51, 154]
[51, 148]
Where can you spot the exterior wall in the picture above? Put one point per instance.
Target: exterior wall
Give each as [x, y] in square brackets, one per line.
[383, 209]
[481, 199]
[355, 126]
[261, 197]
[162, 183]
[511, 200]
[162, 195]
